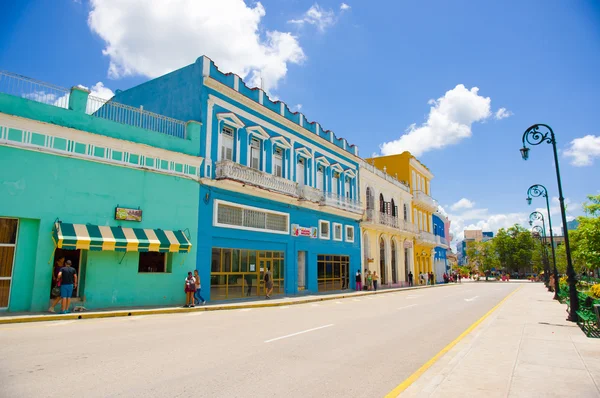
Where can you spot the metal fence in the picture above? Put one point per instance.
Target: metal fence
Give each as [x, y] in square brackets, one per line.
[24, 87]
[108, 109]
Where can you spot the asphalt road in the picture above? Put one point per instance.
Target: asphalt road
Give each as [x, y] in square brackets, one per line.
[355, 347]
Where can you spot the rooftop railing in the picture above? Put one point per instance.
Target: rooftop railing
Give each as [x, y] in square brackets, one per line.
[120, 113]
[399, 183]
[391, 221]
[24, 87]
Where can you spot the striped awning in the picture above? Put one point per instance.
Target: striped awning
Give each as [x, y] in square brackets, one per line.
[94, 237]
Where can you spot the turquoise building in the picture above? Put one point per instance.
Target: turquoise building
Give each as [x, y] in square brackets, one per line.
[118, 200]
[276, 191]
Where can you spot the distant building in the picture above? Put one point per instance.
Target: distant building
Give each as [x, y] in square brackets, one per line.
[572, 225]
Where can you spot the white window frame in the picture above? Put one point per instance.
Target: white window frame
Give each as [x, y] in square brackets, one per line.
[321, 222]
[320, 178]
[335, 226]
[281, 158]
[301, 160]
[222, 142]
[216, 223]
[12, 270]
[251, 149]
[335, 183]
[349, 228]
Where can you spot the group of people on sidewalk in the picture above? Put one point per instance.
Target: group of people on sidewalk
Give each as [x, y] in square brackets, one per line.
[192, 290]
[427, 278]
[371, 281]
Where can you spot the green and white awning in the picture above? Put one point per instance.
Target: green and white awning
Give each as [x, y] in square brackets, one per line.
[94, 237]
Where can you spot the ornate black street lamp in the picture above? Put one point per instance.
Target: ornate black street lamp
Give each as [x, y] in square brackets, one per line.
[533, 136]
[537, 216]
[539, 233]
[537, 191]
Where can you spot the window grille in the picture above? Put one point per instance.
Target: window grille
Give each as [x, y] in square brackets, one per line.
[251, 218]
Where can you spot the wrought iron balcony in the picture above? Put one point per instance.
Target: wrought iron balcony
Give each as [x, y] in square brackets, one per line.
[427, 237]
[227, 169]
[390, 221]
[341, 202]
[309, 193]
[426, 200]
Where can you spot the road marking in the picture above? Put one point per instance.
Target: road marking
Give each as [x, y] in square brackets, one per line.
[413, 296]
[284, 307]
[413, 377]
[196, 313]
[297, 333]
[245, 309]
[339, 302]
[60, 323]
[316, 305]
[408, 306]
[355, 299]
[471, 299]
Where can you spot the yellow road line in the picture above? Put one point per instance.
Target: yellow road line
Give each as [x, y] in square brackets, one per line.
[413, 377]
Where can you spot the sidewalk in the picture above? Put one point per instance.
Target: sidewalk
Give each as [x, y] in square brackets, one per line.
[8, 317]
[525, 348]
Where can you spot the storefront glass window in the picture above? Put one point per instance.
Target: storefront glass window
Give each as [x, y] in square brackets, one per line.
[332, 272]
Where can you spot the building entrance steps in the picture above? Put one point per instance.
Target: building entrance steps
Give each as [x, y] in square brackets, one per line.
[304, 297]
[525, 348]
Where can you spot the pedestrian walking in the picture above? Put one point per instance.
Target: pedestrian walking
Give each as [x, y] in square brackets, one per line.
[410, 278]
[197, 296]
[431, 279]
[55, 287]
[189, 288]
[369, 280]
[459, 278]
[67, 276]
[268, 283]
[375, 280]
[358, 280]
[426, 276]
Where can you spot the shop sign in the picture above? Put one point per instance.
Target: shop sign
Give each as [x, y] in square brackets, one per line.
[408, 244]
[297, 230]
[124, 214]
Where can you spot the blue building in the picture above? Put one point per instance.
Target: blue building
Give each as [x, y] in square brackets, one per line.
[440, 263]
[276, 191]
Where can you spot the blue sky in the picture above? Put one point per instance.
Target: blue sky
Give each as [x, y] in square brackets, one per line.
[366, 70]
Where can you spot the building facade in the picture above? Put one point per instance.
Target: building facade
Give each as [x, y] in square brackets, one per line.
[276, 191]
[118, 200]
[441, 225]
[408, 168]
[387, 230]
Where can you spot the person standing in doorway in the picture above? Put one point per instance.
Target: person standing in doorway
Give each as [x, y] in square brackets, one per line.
[55, 290]
[358, 279]
[369, 280]
[375, 280]
[410, 278]
[189, 288]
[67, 276]
[197, 296]
[268, 283]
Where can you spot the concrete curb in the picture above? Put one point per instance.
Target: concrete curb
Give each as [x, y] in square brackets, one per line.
[175, 310]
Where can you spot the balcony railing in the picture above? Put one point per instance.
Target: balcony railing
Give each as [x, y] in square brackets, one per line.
[444, 241]
[228, 169]
[390, 221]
[341, 202]
[427, 200]
[427, 237]
[309, 193]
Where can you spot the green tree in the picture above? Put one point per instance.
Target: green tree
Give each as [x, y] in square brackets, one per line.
[585, 241]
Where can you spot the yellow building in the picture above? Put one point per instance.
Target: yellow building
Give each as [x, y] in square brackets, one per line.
[408, 168]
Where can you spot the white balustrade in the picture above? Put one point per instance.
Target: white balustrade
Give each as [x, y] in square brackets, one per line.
[341, 202]
[390, 221]
[310, 193]
[427, 237]
[427, 200]
[228, 169]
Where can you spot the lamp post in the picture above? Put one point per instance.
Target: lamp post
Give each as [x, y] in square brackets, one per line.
[539, 232]
[537, 191]
[533, 136]
[537, 216]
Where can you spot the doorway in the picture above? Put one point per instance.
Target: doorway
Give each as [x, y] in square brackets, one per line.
[301, 270]
[75, 257]
[332, 272]
[8, 246]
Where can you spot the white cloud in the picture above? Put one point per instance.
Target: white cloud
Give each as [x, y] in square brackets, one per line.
[154, 37]
[297, 107]
[450, 119]
[100, 91]
[584, 150]
[502, 113]
[317, 16]
[464, 203]
[344, 7]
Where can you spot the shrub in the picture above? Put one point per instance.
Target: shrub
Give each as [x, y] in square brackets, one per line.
[595, 291]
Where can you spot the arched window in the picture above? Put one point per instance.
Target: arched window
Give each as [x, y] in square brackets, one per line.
[381, 203]
[405, 212]
[394, 212]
